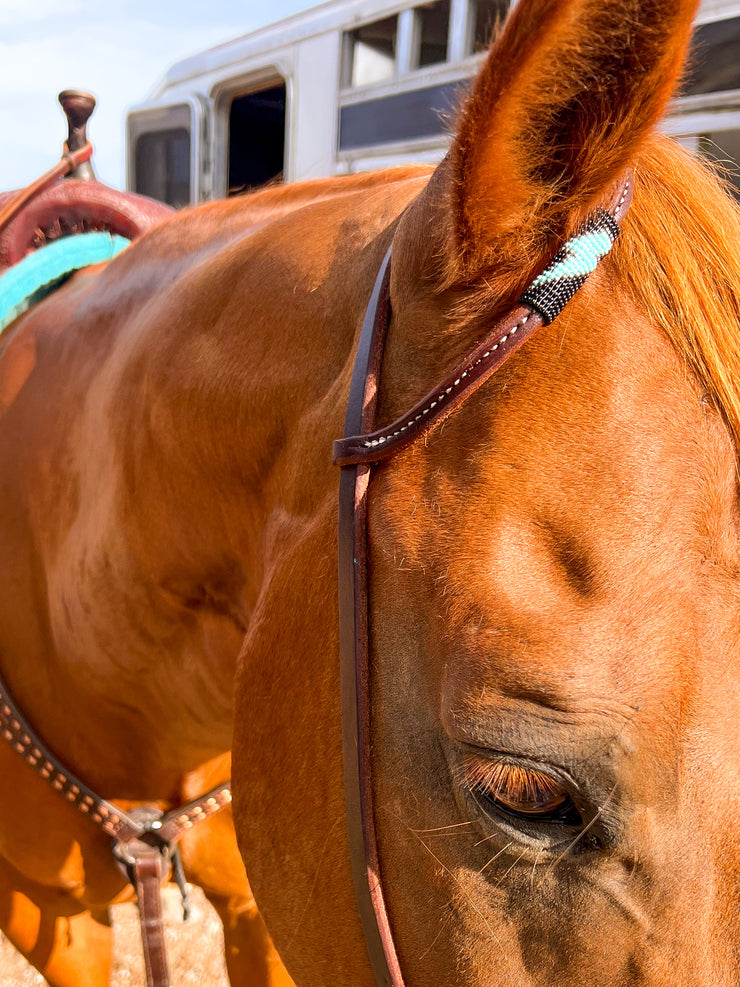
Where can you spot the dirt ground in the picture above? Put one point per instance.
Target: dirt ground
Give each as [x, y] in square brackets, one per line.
[195, 949]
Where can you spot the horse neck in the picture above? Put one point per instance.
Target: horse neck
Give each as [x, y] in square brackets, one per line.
[206, 444]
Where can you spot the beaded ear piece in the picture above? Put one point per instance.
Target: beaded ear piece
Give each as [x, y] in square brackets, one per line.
[569, 269]
[543, 300]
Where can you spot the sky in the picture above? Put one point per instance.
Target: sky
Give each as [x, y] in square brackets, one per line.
[116, 49]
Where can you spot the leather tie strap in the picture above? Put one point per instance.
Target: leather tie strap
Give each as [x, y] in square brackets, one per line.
[119, 825]
[148, 877]
[66, 164]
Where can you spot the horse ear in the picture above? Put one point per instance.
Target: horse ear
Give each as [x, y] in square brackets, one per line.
[568, 93]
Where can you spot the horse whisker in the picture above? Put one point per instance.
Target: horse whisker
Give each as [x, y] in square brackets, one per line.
[486, 839]
[534, 867]
[510, 869]
[315, 881]
[459, 883]
[585, 829]
[433, 943]
[494, 857]
[441, 829]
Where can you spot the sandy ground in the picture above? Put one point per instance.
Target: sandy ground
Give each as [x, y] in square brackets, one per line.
[195, 949]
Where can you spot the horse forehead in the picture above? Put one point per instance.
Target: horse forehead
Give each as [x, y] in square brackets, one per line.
[577, 518]
[597, 422]
[608, 544]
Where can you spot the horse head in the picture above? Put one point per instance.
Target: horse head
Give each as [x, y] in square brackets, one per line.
[553, 598]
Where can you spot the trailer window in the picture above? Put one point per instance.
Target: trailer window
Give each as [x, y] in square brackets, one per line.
[485, 16]
[433, 20]
[163, 166]
[370, 52]
[714, 66]
[400, 116]
[256, 139]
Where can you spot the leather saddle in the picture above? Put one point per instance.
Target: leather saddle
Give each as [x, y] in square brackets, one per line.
[71, 206]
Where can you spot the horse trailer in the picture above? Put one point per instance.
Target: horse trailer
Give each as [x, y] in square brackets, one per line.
[352, 85]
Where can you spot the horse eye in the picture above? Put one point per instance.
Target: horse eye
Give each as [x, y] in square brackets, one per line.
[520, 790]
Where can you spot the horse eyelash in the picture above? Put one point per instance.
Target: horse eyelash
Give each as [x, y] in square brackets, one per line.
[492, 776]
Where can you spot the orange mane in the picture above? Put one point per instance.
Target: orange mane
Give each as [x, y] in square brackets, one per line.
[687, 282]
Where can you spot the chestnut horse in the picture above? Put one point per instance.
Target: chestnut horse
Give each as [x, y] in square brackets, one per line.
[553, 598]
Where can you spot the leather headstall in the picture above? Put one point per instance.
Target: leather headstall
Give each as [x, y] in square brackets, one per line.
[365, 446]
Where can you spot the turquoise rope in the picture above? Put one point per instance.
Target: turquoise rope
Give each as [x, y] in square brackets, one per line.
[42, 271]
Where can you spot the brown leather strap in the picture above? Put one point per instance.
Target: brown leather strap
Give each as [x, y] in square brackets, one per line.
[148, 875]
[119, 825]
[17, 731]
[177, 821]
[353, 631]
[144, 841]
[67, 163]
[509, 334]
[356, 453]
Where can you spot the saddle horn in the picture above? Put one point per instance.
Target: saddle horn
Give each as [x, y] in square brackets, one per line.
[78, 107]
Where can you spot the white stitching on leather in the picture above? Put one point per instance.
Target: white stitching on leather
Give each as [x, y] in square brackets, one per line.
[619, 205]
[371, 443]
